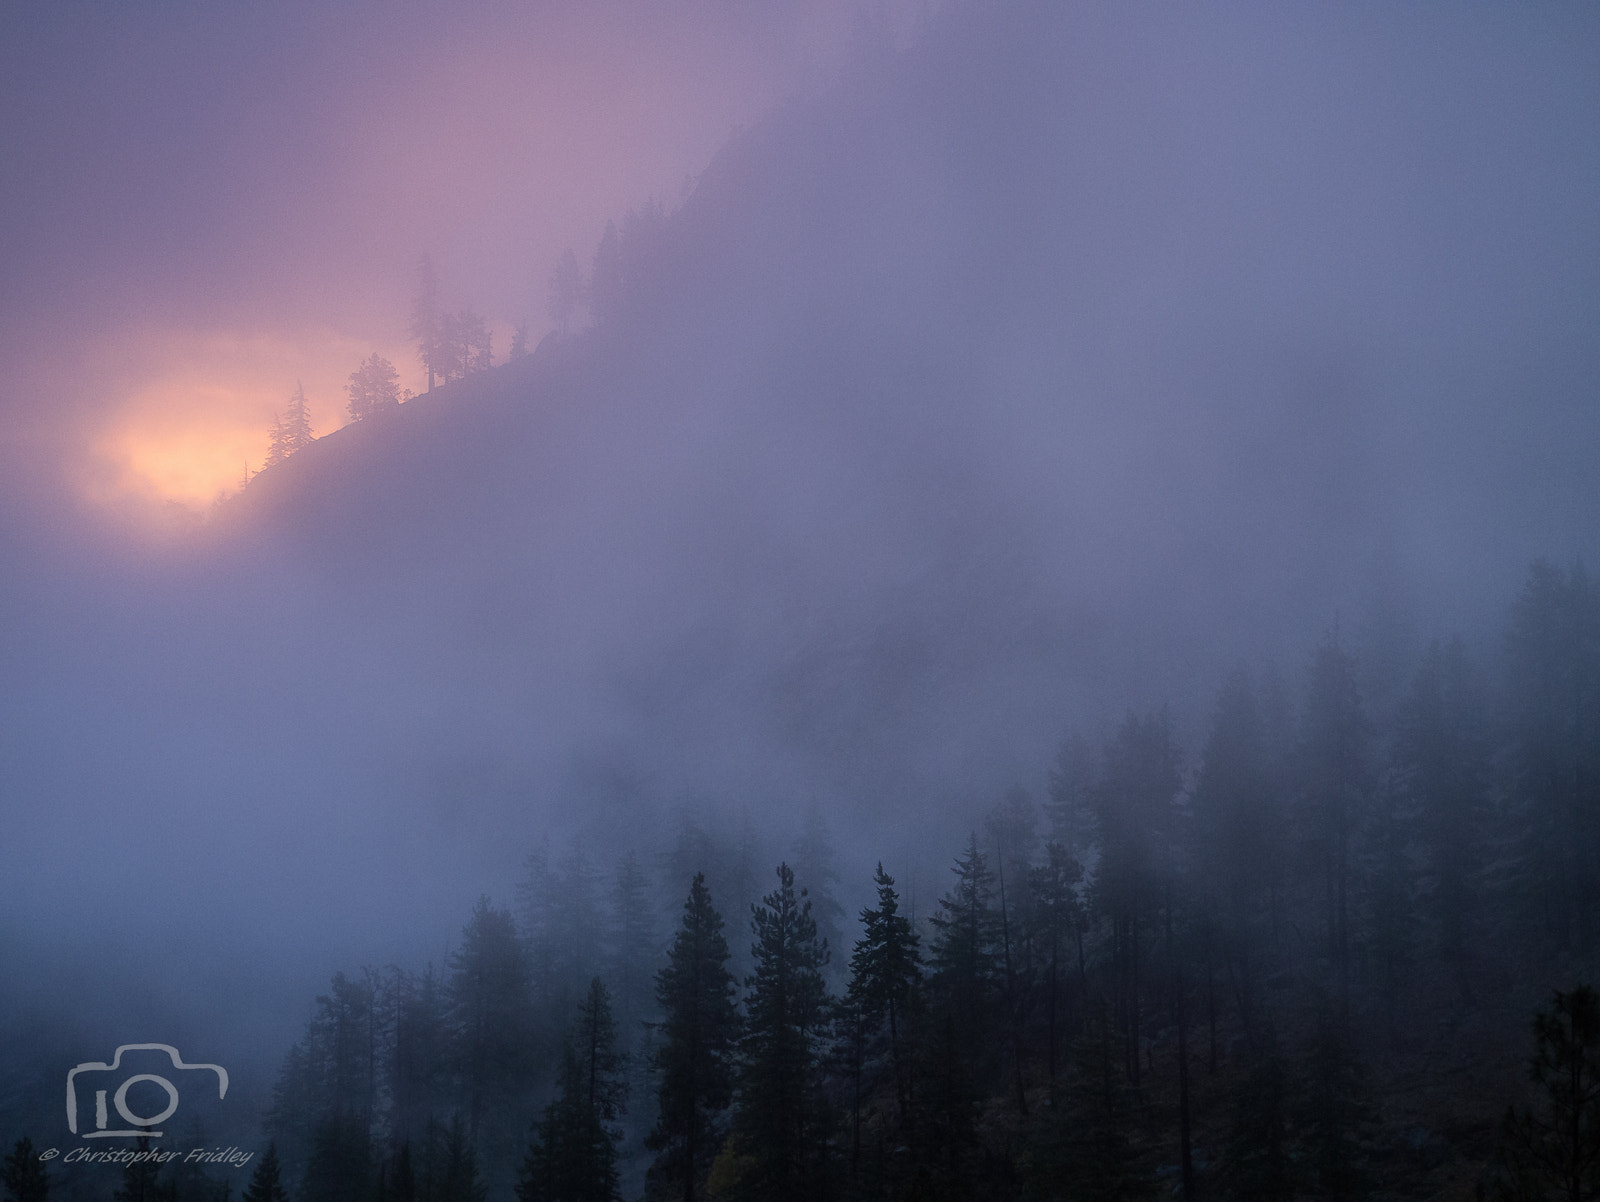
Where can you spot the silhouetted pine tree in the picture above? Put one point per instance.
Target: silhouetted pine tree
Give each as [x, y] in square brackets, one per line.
[427, 321]
[573, 1155]
[1335, 1118]
[780, 1117]
[291, 431]
[885, 968]
[1086, 1150]
[23, 1174]
[141, 1180]
[1134, 806]
[1258, 1159]
[491, 1016]
[963, 956]
[374, 388]
[341, 1166]
[1558, 1146]
[816, 874]
[1335, 792]
[265, 1183]
[1059, 922]
[693, 1060]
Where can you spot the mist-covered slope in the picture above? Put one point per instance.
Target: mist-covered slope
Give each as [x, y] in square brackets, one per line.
[1035, 371]
[1040, 369]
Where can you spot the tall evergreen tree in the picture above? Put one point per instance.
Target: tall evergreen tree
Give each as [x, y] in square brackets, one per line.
[1088, 1149]
[1134, 808]
[428, 321]
[420, 1052]
[884, 970]
[1059, 923]
[567, 291]
[779, 1121]
[141, 1179]
[631, 946]
[490, 1011]
[963, 951]
[699, 1025]
[573, 1155]
[266, 1184]
[291, 430]
[1239, 836]
[1558, 1145]
[1553, 674]
[1335, 791]
[816, 873]
[341, 1163]
[23, 1174]
[1441, 762]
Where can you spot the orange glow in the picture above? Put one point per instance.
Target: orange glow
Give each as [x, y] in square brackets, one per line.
[204, 409]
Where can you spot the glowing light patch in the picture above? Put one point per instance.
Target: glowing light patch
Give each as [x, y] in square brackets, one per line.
[203, 412]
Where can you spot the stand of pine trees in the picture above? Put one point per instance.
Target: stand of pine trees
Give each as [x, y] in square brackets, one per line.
[1298, 963]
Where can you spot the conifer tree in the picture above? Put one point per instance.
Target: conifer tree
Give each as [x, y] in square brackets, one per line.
[265, 1183]
[1087, 1150]
[1335, 788]
[141, 1179]
[374, 388]
[1134, 808]
[23, 1174]
[1553, 661]
[1258, 1159]
[428, 321]
[1442, 764]
[490, 1011]
[699, 1025]
[291, 430]
[566, 291]
[1238, 840]
[632, 945]
[779, 1121]
[340, 1166]
[963, 954]
[420, 1052]
[817, 874]
[884, 969]
[1059, 923]
[1558, 1145]
[573, 1156]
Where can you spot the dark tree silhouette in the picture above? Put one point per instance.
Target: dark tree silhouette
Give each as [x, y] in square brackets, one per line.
[291, 430]
[699, 1025]
[265, 1183]
[23, 1174]
[884, 969]
[374, 388]
[567, 291]
[779, 1120]
[1558, 1144]
[428, 321]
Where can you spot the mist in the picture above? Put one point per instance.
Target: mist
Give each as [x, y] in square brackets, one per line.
[977, 377]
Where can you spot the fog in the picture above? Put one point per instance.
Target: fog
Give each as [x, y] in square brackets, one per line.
[988, 372]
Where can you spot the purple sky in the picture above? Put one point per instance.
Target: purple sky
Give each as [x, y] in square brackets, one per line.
[202, 204]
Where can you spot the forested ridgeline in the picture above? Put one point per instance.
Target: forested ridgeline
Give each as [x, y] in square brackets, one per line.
[1301, 962]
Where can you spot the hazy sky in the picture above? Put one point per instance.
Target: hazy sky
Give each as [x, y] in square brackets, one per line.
[1026, 377]
[202, 203]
